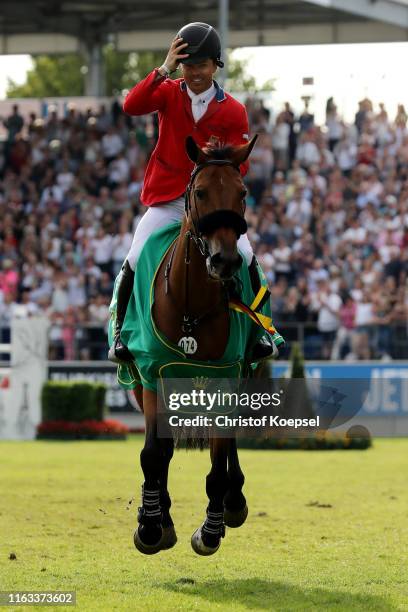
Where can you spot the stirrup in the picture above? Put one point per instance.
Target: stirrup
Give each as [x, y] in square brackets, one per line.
[264, 349]
[119, 352]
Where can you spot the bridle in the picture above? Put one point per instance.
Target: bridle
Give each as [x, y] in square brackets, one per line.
[228, 218]
[212, 220]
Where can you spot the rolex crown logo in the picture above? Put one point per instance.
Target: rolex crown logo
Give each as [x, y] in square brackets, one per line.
[201, 382]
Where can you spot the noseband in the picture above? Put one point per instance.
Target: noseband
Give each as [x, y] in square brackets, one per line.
[218, 218]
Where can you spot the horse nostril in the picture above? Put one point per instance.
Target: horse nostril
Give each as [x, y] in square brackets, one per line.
[225, 266]
[235, 264]
[216, 260]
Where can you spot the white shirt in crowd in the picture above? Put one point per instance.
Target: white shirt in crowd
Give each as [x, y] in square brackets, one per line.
[92, 151]
[317, 182]
[99, 313]
[299, 211]
[200, 102]
[102, 249]
[133, 154]
[364, 313]
[65, 180]
[261, 163]
[328, 317]
[282, 255]
[346, 155]
[308, 153]
[76, 291]
[355, 235]
[54, 248]
[111, 145]
[280, 137]
[334, 128]
[316, 275]
[54, 193]
[387, 251]
[60, 299]
[14, 310]
[120, 246]
[119, 170]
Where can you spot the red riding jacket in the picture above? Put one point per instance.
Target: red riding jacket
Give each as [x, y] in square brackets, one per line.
[169, 168]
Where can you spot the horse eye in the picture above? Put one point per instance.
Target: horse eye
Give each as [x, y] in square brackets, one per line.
[243, 193]
[200, 193]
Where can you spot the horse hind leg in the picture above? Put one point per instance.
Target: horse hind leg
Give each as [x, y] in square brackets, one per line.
[169, 538]
[235, 506]
[206, 540]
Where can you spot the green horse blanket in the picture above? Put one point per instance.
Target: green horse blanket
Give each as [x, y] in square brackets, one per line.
[155, 356]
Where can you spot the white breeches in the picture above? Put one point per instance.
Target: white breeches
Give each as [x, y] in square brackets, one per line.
[159, 216]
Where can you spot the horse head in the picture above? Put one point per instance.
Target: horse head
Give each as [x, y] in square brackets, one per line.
[215, 204]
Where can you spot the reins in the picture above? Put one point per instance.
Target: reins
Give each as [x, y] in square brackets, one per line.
[189, 322]
[239, 225]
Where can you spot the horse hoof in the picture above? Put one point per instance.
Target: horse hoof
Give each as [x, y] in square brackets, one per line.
[198, 545]
[147, 549]
[235, 519]
[169, 538]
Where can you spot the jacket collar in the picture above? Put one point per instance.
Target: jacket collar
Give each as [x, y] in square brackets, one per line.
[219, 92]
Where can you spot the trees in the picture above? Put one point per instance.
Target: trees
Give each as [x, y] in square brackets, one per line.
[239, 79]
[51, 76]
[64, 75]
[123, 70]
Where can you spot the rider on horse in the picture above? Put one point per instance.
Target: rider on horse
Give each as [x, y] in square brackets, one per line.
[192, 106]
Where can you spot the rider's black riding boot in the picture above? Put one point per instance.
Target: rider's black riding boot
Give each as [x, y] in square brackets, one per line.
[118, 352]
[268, 345]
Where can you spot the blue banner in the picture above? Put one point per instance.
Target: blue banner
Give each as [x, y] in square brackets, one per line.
[379, 388]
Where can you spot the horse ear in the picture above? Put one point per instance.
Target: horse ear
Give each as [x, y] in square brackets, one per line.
[192, 149]
[242, 152]
[194, 152]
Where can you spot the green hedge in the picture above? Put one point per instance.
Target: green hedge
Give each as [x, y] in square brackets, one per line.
[73, 401]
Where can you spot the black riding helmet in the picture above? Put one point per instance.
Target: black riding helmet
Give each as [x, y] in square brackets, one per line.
[203, 43]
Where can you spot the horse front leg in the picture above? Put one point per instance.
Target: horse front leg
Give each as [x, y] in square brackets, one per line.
[235, 506]
[206, 540]
[169, 534]
[148, 536]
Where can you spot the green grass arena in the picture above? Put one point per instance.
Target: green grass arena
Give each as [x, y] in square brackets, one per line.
[65, 514]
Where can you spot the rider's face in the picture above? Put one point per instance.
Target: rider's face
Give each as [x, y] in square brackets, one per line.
[198, 77]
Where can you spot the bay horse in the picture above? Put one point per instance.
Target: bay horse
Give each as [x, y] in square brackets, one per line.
[204, 256]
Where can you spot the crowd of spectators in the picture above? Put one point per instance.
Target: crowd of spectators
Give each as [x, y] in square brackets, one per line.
[327, 213]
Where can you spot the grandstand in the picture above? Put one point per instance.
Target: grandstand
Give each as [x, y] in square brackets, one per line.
[327, 209]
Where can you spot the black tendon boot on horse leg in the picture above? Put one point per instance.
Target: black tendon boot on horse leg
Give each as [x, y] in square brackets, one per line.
[149, 534]
[206, 540]
[118, 352]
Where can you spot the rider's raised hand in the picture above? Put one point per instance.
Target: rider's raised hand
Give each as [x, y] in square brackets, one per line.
[175, 54]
